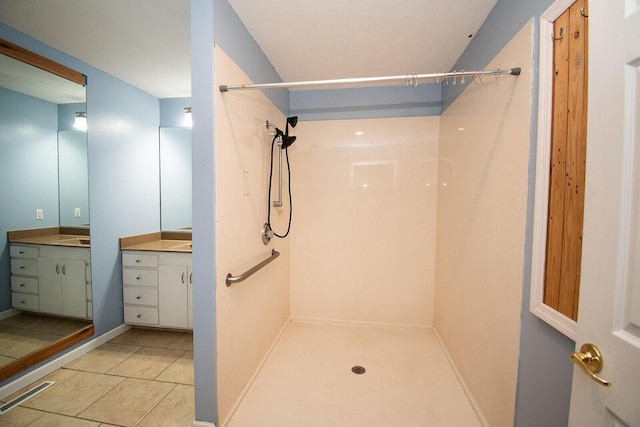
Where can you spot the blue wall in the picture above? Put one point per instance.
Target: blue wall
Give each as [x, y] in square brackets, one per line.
[28, 172]
[203, 177]
[359, 103]
[123, 169]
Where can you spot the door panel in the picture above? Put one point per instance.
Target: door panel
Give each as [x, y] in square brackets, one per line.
[610, 288]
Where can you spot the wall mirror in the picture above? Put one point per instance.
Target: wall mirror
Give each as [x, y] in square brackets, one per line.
[43, 168]
[175, 179]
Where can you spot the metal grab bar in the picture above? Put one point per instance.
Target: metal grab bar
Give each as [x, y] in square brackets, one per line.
[237, 279]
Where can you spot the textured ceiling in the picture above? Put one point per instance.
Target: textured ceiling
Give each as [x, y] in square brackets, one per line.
[147, 42]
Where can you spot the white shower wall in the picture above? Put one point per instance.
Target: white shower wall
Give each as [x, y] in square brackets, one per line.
[251, 314]
[482, 212]
[364, 207]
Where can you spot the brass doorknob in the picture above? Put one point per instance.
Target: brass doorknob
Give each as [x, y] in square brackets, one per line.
[590, 360]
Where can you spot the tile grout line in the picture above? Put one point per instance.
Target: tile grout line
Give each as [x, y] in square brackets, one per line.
[157, 404]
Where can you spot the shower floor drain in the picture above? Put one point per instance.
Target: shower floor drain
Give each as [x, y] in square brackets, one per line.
[359, 370]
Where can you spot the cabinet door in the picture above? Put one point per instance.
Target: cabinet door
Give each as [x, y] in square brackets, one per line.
[74, 290]
[172, 296]
[50, 286]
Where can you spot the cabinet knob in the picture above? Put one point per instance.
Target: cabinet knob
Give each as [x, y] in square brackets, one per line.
[138, 260]
[138, 297]
[139, 316]
[139, 277]
[22, 285]
[22, 302]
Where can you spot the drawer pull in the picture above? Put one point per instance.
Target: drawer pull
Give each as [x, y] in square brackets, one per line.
[21, 252]
[22, 267]
[138, 260]
[23, 302]
[139, 316]
[22, 285]
[139, 277]
[138, 297]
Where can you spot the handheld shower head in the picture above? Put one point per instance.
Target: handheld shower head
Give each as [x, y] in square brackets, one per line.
[286, 139]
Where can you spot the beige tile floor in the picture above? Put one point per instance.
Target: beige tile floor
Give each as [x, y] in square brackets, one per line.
[142, 377]
[307, 381]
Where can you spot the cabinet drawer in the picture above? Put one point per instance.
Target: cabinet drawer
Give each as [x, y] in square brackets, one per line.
[139, 277]
[144, 315]
[25, 301]
[23, 251]
[24, 266]
[24, 284]
[130, 259]
[141, 296]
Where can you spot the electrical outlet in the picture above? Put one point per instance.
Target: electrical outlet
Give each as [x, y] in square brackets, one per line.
[39, 214]
[76, 213]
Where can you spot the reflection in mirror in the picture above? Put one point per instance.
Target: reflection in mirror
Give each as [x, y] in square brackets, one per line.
[73, 178]
[175, 178]
[43, 185]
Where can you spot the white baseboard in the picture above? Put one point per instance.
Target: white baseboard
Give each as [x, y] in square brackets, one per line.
[197, 423]
[467, 391]
[9, 313]
[60, 361]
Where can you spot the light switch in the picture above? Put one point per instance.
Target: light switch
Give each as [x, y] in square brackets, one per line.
[39, 214]
[77, 213]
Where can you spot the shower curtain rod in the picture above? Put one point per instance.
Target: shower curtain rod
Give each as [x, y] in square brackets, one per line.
[410, 80]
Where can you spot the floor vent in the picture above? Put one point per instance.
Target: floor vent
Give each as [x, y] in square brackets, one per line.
[25, 396]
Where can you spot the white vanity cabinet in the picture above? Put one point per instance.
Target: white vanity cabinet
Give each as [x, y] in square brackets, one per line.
[24, 277]
[157, 289]
[51, 279]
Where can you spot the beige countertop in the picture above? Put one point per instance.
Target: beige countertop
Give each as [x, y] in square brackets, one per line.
[159, 241]
[54, 236]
